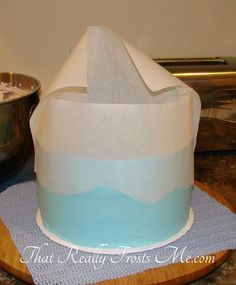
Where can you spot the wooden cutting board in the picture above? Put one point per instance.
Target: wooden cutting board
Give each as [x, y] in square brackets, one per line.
[180, 273]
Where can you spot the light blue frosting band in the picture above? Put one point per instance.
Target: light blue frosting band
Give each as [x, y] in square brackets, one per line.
[107, 216]
[147, 179]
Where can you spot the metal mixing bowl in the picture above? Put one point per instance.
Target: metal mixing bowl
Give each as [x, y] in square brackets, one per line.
[15, 137]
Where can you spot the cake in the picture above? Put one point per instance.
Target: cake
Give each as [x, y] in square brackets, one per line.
[114, 140]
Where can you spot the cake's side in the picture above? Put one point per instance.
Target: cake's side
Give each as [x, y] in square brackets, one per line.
[108, 217]
[103, 248]
[120, 203]
[116, 179]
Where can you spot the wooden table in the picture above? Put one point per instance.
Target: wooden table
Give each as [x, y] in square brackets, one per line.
[180, 273]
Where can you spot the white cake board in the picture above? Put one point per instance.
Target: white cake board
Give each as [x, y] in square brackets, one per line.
[119, 250]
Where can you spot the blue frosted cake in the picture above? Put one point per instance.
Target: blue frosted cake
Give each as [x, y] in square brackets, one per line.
[114, 164]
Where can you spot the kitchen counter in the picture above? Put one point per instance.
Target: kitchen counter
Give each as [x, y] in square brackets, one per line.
[218, 170]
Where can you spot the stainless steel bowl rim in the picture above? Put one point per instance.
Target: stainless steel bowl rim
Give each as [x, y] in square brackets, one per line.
[24, 96]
